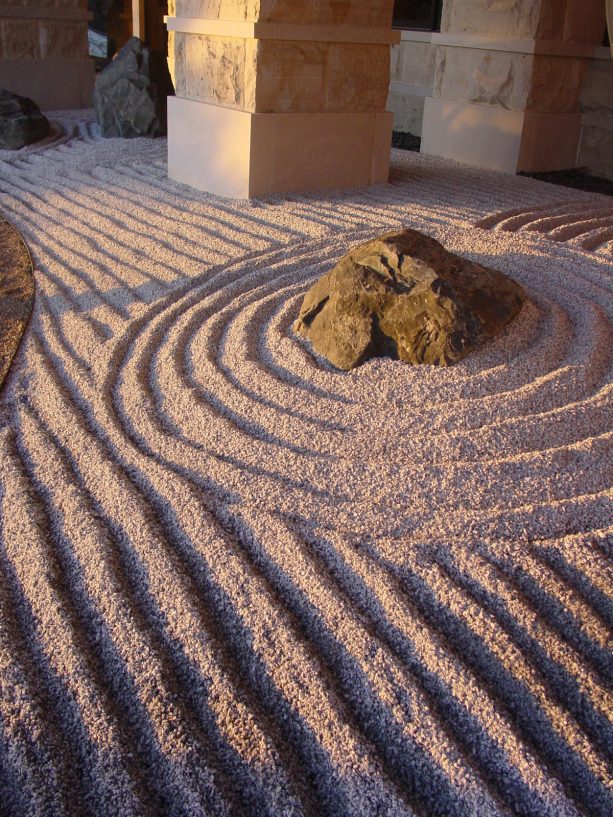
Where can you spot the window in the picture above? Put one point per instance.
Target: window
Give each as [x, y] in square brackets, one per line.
[420, 14]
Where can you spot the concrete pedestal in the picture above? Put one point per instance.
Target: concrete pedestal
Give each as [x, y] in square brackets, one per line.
[507, 83]
[278, 100]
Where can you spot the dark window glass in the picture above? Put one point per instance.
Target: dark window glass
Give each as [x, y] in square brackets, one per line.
[423, 14]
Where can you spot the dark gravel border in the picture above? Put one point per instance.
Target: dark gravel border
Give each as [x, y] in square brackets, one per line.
[578, 178]
[16, 293]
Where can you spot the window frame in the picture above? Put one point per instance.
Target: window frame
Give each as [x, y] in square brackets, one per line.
[419, 25]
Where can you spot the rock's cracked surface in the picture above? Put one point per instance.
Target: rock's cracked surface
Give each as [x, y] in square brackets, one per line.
[403, 295]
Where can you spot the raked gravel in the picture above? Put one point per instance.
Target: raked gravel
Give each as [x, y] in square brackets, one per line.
[235, 581]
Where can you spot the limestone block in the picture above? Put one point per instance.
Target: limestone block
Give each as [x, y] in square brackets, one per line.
[27, 3]
[499, 78]
[549, 140]
[219, 9]
[584, 21]
[556, 82]
[216, 69]
[351, 12]
[357, 77]
[171, 57]
[281, 76]
[312, 12]
[597, 90]
[492, 18]
[20, 39]
[291, 76]
[596, 149]
[63, 38]
[408, 112]
[414, 63]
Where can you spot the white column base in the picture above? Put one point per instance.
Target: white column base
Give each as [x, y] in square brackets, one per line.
[499, 139]
[241, 155]
[54, 84]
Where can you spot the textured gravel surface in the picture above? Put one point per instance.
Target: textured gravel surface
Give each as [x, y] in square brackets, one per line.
[234, 581]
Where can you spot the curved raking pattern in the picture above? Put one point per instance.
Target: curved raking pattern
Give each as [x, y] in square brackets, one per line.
[239, 582]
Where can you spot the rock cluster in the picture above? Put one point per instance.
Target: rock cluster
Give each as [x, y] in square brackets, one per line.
[403, 295]
[21, 122]
[130, 93]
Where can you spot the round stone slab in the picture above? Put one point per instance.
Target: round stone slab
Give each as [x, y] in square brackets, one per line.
[403, 295]
[16, 293]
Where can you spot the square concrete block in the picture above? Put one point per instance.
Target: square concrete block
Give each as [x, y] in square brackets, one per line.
[240, 154]
[481, 135]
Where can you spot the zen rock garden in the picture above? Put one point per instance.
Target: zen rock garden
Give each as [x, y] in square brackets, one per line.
[403, 295]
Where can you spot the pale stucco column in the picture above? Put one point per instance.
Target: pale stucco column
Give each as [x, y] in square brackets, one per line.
[279, 95]
[44, 52]
[507, 82]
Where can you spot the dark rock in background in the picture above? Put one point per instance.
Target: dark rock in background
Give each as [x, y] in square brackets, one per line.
[21, 122]
[403, 295]
[130, 93]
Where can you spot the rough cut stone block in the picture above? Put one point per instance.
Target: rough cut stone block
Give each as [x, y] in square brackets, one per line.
[596, 149]
[357, 77]
[63, 39]
[584, 22]
[216, 69]
[501, 18]
[597, 89]
[312, 12]
[500, 78]
[279, 76]
[556, 82]
[408, 112]
[20, 39]
[413, 63]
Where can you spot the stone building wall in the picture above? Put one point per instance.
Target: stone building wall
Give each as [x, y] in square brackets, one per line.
[596, 104]
[44, 52]
[519, 73]
[412, 79]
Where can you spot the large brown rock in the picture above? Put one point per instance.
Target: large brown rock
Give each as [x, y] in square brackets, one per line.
[403, 295]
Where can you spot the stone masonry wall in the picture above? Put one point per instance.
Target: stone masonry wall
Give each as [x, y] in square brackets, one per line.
[40, 35]
[596, 104]
[412, 77]
[44, 52]
[311, 12]
[281, 76]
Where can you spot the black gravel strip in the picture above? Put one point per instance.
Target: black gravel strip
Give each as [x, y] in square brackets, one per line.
[578, 178]
[405, 141]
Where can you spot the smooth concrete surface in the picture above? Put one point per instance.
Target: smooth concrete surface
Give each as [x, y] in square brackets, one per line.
[238, 154]
[549, 141]
[53, 84]
[481, 135]
[209, 147]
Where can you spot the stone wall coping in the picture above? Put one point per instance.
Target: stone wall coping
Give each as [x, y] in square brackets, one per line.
[283, 31]
[44, 13]
[550, 48]
[604, 121]
[603, 52]
[414, 36]
[414, 90]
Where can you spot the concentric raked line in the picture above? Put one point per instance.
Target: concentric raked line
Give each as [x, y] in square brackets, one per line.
[354, 759]
[287, 590]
